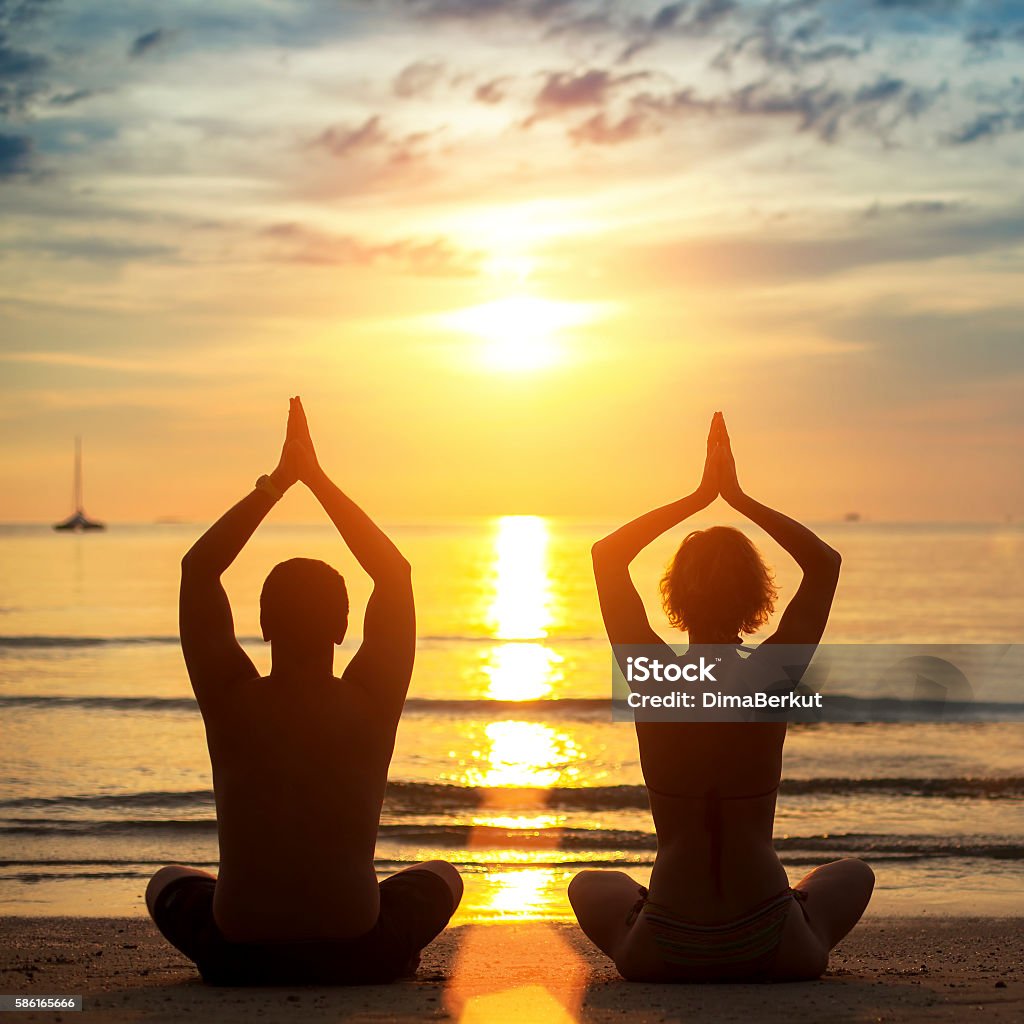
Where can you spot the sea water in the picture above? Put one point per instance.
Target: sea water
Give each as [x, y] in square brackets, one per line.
[507, 761]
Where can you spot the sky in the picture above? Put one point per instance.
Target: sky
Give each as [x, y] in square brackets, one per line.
[513, 255]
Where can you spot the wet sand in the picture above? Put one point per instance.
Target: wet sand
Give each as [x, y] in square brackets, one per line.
[906, 969]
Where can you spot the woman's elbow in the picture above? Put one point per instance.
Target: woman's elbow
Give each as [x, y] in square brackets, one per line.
[833, 560]
[601, 551]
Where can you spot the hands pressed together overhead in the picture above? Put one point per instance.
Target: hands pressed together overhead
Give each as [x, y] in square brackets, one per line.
[719, 476]
[298, 457]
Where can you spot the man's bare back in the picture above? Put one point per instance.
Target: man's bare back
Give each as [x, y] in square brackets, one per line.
[299, 779]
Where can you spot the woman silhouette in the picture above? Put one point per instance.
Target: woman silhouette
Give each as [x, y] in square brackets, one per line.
[720, 907]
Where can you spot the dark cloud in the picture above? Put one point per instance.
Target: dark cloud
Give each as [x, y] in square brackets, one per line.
[67, 99]
[16, 155]
[776, 40]
[418, 79]
[824, 110]
[148, 42]
[988, 125]
[296, 243]
[928, 6]
[21, 12]
[480, 10]
[677, 19]
[911, 208]
[20, 72]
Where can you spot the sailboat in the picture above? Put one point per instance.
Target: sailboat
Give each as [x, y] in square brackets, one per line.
[79, 520]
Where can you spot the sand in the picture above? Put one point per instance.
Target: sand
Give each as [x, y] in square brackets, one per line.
[889, 969]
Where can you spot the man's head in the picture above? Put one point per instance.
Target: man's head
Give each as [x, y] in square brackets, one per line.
[304, 601]
[717, 586]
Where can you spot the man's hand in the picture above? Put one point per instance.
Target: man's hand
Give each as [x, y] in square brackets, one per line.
[291, 464]
[298, 434]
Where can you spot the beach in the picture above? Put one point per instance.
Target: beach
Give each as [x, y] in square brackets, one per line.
[508, 765]
[889, 969]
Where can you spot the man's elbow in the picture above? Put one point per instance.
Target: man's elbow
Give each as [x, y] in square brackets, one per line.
[193, 564]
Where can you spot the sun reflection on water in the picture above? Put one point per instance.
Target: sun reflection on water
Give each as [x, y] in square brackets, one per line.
[522, 671]
[516, 760]
[527, 755]
[521, 607]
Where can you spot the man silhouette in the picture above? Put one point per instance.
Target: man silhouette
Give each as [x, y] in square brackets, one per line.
[300, 760]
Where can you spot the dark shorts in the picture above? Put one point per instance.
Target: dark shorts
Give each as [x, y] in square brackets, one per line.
[415, 906]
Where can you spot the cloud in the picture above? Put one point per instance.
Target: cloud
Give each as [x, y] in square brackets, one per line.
[67, 99]
[911, 208]
[21, 12]
[939, 348]
[16, 155]
[988, 125]
[878, 107]
[94, 250]
[418, 79]
[600, 130]
[482, 10]
[344, 141]
[372, 137]
[493, 91]
[568, 91]
[295, 243]
[19, 77]
[907, 233]
[679, 19]
[563, 89]
[148, 41]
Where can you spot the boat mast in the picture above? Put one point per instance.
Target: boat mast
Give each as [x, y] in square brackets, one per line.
[78, 472]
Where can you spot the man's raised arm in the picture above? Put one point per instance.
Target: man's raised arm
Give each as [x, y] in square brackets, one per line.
[212, 654]
[384, 660]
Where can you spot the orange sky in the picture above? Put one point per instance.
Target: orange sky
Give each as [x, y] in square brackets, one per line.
[514, 261]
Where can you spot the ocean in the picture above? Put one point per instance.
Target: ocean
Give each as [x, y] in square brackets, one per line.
[507, 762]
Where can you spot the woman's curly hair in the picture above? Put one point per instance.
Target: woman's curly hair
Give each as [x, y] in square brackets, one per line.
[718, 585]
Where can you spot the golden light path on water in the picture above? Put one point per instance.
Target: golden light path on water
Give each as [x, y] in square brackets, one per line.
[523, 755]
[520, 754]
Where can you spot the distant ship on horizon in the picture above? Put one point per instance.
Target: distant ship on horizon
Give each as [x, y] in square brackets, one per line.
[78, 520]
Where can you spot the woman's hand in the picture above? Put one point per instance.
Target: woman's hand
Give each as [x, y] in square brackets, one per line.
[725, 465]
[708, 488]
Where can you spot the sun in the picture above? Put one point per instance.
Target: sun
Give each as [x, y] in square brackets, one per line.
[522, 332]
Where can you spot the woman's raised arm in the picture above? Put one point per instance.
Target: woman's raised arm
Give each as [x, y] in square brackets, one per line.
[806, 615]
[625, 619]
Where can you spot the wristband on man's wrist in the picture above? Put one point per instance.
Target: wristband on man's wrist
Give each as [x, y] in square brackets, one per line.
[268, 487]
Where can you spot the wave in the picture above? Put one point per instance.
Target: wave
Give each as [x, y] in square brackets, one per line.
[424, 798]
[566, 708]
[561, 838]
[844, 710]
[90, 641]
[430, 640]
